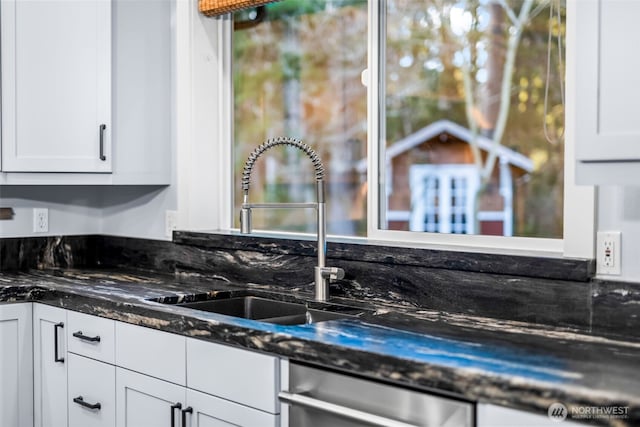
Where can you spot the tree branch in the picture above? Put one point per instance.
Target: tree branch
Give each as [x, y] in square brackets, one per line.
[510, 13]
[503, 113]
[473, 125]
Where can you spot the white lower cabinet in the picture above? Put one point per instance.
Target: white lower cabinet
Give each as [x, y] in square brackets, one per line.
[94, 372]
[144, 401]
[67, 386]
[91, 396]
[16, 367]
[49, 366]
[164, 379]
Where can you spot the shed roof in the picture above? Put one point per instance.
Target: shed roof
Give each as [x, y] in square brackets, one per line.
[462, 133]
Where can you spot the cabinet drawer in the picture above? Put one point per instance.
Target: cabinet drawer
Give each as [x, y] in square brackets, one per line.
[234, 374]
[151, 352]
[92, 392]
[91, 336]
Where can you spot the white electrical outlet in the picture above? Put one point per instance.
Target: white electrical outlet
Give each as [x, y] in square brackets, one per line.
[40, 220]
[170, 222]
[609, 248]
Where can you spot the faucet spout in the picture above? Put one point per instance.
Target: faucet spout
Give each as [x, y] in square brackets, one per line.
[322, 274]
[270, 143]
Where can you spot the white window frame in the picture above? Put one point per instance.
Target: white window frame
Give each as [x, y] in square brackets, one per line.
[205, 131]
[579, 202]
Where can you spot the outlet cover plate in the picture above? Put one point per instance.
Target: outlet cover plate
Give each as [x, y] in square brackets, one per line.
[40, 220]
[609, 252]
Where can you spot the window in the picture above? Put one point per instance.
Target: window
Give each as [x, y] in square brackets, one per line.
[475, 83]
[297, 72]
[440, 201]
[442, 157]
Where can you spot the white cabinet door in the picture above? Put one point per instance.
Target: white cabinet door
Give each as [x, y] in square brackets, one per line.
[56, 85]
[607, 87]
[16, 369]
[92, 392]
[205, 410]
[50, 366]
[143, 401]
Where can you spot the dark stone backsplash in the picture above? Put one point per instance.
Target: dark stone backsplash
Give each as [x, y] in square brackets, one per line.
[616, 308]
[556, 292]
[546, 268]
[45, 252]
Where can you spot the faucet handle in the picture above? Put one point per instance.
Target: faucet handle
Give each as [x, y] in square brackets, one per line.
[332, 273]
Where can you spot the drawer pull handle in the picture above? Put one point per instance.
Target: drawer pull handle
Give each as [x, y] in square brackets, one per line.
[86, 338]
[187, 410]
[342, 411]
[55, 342]
[102, 129]
[80, 401]
[173, 413]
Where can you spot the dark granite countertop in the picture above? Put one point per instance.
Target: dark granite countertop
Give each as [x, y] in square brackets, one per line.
[507, 363]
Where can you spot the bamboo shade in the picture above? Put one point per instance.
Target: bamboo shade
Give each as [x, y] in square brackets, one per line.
[220, 7]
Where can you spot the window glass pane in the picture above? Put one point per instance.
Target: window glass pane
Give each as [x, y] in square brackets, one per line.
[474, 117]
[297, 72]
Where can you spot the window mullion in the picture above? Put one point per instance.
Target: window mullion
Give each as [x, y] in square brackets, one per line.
[376, 181]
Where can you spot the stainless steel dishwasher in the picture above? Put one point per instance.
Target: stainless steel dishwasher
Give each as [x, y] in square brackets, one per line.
[318, 398]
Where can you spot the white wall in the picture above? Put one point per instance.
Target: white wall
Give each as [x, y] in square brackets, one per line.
[619, 210]
[72, 210]
[134, 211]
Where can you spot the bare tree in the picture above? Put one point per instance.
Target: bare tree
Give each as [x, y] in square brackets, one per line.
[517, 21]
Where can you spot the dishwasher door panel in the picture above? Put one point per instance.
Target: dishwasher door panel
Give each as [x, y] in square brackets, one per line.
[315, 398]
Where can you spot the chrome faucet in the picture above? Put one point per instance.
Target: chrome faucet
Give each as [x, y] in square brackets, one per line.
[322, 274]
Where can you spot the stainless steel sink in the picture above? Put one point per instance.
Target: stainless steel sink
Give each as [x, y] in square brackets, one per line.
[267, 310]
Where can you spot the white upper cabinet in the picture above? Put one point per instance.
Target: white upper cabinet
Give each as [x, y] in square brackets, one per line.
[87, 92]
[56, 86]
[607, 90]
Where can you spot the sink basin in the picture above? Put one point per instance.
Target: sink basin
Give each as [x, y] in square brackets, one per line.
[265, 310]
